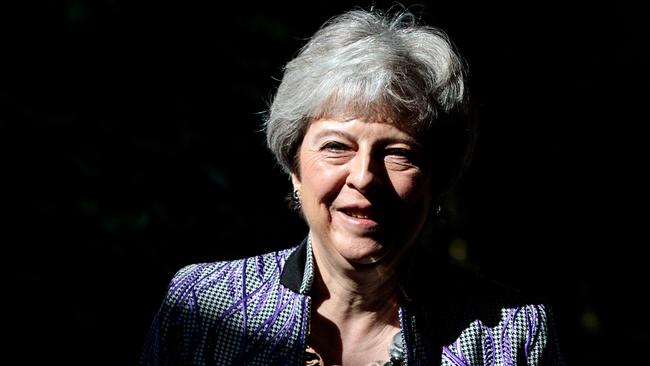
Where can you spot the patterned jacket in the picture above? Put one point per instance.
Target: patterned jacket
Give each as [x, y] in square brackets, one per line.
[256, 311]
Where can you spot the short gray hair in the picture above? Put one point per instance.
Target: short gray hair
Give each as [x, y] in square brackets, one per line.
[371, 64]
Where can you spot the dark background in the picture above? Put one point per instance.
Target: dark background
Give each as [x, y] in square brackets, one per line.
[131, 146]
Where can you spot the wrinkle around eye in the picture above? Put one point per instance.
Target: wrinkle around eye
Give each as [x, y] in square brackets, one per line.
[337, 157]
[400, 163]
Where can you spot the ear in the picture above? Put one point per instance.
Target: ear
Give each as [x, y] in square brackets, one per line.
[295, 181]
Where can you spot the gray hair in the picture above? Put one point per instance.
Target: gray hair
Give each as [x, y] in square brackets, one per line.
[370, 64]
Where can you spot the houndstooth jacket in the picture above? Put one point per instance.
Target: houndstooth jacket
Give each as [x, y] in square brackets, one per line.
[256, 311]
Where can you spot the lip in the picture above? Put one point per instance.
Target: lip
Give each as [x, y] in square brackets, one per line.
[366, 224]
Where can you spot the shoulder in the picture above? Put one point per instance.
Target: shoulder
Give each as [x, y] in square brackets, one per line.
[498, 322]
[206, 305]
[204, 297]
[217, 279]
[478, 294]
[473, 296]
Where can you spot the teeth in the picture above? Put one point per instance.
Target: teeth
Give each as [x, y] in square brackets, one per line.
[357, 214]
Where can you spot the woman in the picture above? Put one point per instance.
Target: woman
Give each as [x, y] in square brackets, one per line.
[370, 122]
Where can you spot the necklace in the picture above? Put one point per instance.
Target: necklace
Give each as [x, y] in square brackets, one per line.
[395, 350]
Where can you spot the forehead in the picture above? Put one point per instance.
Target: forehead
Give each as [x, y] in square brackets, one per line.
[342, 109]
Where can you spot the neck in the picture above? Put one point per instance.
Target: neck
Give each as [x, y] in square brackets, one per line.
[355, 310]
[349, 292]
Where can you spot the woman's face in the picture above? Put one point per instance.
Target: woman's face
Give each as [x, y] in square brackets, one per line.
[364, 189]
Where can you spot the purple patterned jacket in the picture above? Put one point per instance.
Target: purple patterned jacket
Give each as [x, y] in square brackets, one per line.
[256, 311]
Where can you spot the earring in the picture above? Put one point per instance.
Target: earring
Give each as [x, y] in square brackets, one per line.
[438, 209]
[295, 199]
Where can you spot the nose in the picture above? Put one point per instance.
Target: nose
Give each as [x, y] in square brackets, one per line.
[364, 172]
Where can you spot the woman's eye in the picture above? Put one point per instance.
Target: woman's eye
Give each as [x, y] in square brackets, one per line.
[401, 153]
[334, 146]
[402, 157]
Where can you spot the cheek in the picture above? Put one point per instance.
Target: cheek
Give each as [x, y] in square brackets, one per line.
[411, 187]
[321, 181]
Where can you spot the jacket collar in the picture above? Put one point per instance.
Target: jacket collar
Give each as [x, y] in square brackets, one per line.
[298, 271]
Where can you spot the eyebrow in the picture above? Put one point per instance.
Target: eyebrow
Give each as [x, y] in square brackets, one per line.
[328, 132]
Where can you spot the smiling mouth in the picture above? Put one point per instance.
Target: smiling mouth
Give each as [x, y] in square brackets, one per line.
[357, 214]
[362, 218]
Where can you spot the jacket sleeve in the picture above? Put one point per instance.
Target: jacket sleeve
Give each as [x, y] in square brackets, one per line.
[545, 343]
[164, 344]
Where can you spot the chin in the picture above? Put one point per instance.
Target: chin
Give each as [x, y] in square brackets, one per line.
[373, 255]
[373, 260]
[358, 249]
